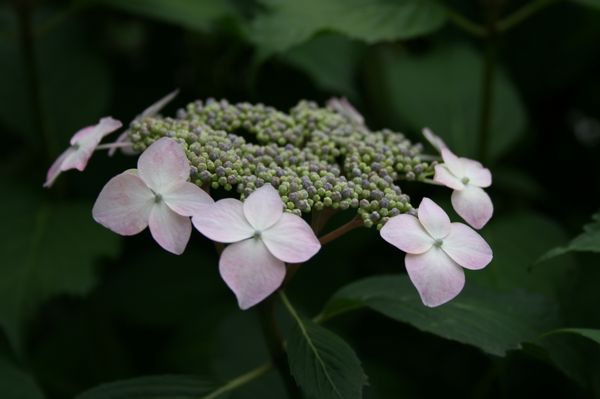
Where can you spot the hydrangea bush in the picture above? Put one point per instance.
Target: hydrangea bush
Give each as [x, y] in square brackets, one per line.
[311, 161]
[280, 177]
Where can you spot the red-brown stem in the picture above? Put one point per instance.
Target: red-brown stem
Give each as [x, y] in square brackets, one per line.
[320, 218]
[340, 231]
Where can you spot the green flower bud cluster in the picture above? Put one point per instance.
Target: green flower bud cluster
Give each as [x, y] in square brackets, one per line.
[316, 158]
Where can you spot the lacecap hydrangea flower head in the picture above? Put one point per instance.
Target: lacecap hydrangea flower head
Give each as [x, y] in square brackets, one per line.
[276, 169]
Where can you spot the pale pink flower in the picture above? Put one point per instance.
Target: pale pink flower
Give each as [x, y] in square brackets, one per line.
[157, 194]
[83, 144]
[344, 107]
[152, 110]
[468, 178]
[436, 251]
[262, 237]
[435, 140]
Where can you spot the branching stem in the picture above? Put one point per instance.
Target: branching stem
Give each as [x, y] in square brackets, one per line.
[340, 231]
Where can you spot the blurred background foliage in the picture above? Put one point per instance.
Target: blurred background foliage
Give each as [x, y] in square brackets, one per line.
[513, 83]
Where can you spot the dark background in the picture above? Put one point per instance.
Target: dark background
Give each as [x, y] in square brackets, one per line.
[80, 306]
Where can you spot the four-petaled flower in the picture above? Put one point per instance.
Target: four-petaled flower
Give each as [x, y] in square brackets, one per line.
[83, 144]
[468, 178]
[157, 194]
[436, 251]
[262, 237]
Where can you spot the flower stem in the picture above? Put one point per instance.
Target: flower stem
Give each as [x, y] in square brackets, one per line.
[26, 36]
[113, 145]
[320, 218]
[289, 307]
[266, 311]
[465, 24]
[61, 16]
[240, 380]
[487, 84]
[529, 9]
[340, 231]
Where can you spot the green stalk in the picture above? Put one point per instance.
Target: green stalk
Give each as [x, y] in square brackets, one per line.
[487, 85]
[240, 380]
[465, 24]
[24, 10]
[275, 345]
[522, 14]
[487, 98]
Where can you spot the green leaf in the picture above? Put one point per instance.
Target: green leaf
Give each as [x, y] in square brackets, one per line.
[493, 322]
[331, 60]
[588, 333]
[48, 249]
[588, 241]
[589, 3]
[17, 384]
[578, 358]
[151, 387]
[323, 364]
[191, 14]
[441, 89]
[288, 22]
[518, 240]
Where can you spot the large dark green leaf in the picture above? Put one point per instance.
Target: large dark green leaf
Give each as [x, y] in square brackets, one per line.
[47, 249]
[287, 23]
[588, 333]
[518, 240]
[590, 3]
[493, 322]
[575, 351]
[442, 89]
[323, 364]
[17, 384]
[151, 387]
[588, 241]
[191, 14]
[331, 60]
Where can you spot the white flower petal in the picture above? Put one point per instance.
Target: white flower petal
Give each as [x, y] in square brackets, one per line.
[56, 169]
[163, 165]
[343, 107]
[263, 207]
[473, 205]
[291, 239]
[443, 176]
[406, 233]
[187, 199]
[466, 247]
[435, 140]
[453, 163]
[224, 221]
[477, 174]
[86, 133]
[438, 278]
[251, 272]
[170, 230]
[78, 158]
[433, 218]
[124, 204]
[160, 104]
[95, 133]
